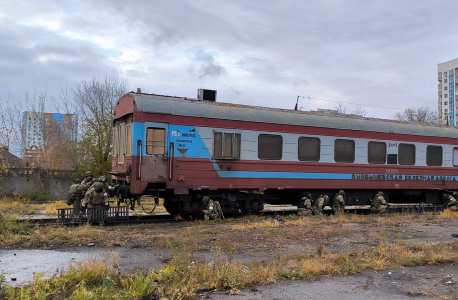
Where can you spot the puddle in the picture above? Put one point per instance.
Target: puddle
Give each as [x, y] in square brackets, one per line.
[23, 264]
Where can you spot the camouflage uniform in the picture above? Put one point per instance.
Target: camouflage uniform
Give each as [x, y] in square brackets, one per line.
[96, 197]
[212, 209]
[378, 204]
[87, 182]
[307, 209]
[75, 194]
[318, 205]
[338, 203]
[450, 202]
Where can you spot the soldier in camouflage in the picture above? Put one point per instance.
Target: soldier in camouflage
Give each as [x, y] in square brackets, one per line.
[75, 195]
[378, 204]
[338, 203]
[319, 204]
[87, 182]
[212, 209]
[96, 197]
[450, 202]
[306, 208]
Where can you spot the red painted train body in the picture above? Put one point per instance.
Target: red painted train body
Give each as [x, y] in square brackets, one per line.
[183, 149]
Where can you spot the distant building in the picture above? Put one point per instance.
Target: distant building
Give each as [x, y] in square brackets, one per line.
[447, 76]
[40, 129]
[8, 159]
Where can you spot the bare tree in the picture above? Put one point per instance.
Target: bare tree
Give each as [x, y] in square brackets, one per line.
[359, 111]
[341, 107]
[10, 137]
[420, 115]
[95, 100]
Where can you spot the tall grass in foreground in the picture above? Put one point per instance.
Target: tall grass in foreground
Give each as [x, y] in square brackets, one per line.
[448, 214]
[186, 275]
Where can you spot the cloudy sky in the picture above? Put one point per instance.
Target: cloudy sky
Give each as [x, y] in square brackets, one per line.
[380, 53]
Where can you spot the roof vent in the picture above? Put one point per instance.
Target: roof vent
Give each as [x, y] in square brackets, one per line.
[206, 95]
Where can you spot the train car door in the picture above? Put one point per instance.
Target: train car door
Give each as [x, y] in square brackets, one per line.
[153, 166]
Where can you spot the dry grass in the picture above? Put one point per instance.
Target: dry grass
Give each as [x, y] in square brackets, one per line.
[448, 214]
[184, 276]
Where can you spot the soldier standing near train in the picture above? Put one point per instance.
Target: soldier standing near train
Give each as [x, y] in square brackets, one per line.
[96, 197]
[319, 204]
[338, 203]
[378, 204]
[306, 210]
[87, 182]
[212, 209]
[75, 195]
[450, 202]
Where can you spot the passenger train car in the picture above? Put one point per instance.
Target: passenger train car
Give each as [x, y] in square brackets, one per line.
[182, 149]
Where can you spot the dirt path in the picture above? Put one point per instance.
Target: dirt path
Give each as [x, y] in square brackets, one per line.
[425, 282]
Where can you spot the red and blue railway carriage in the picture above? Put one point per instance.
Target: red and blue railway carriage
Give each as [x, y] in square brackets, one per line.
[183, 149]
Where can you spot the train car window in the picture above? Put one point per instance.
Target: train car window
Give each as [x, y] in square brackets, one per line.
[129, 140]
[115, 141]
[406, 154]
[434, 155]
[155, 141]
[376, 153]
[455, 157]
[226, 145]
[344, 151]
[218, 145]
[122, 142]
[309, 149]
[270, 146]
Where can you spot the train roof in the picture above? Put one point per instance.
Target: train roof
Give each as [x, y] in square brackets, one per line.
[181, 106]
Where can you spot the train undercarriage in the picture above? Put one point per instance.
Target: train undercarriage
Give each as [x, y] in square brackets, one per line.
[235, 202]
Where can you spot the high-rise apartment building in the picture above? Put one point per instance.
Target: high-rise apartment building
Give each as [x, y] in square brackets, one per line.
[448, 79]
[39, 129]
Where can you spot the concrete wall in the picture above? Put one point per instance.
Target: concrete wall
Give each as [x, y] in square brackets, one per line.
[20, 180]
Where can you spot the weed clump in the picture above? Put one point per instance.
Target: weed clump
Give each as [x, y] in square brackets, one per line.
[40, 194]
[9, 225]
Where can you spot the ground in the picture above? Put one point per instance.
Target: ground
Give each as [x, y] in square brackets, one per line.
[258, 239]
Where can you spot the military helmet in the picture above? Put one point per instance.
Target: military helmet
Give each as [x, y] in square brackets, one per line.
[380, 193]
[445, 196]
[341, 192]
[455, 193]
[99, 186]
[102, 179]
[206, 199]
[326, 197]
[308, 195]
[88, 173]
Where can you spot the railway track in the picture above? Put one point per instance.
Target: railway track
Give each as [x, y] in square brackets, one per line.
[66, 219]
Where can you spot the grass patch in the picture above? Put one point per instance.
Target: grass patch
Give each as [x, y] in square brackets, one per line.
[448, 214]
[185, 275]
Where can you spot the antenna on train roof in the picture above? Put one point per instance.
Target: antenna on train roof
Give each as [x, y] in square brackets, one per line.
[297, 101]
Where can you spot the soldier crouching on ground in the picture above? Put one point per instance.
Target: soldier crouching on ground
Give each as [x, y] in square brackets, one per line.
[319, 204]
[450, 202]
[212, 209]
[378, 204]
[338, 203]
[306, 209]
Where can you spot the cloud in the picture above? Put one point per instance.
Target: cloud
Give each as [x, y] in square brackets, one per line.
[368, 52]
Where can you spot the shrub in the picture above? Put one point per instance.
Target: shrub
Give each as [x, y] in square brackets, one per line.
[40, 194]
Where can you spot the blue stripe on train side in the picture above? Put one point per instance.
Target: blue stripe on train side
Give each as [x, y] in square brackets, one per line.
[189, 143]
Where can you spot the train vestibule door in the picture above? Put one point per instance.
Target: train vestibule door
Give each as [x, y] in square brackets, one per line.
[154, 153]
